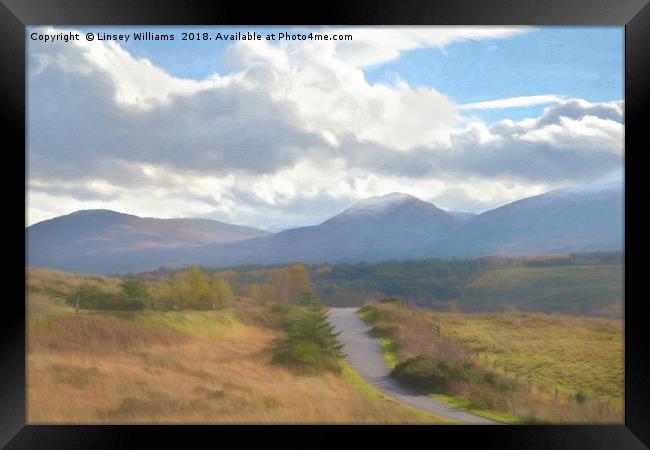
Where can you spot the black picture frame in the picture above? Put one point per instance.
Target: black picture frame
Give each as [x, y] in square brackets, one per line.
[15, 15]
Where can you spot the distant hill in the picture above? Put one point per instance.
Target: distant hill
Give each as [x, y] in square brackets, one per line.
[462, 216]
[592, 290]
[390, 226]
[94, 240]
[566, 220]
[393, 226]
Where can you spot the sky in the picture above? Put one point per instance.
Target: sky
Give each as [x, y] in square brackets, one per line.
[277, 134]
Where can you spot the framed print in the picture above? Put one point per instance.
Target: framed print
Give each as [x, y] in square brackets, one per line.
[413, 215]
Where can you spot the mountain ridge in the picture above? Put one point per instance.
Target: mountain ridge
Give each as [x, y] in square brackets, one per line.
[393, 226]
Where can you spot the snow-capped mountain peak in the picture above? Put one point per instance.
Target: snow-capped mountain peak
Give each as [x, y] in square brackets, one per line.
[380, 204]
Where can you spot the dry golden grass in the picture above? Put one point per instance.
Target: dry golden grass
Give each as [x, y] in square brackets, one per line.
[98, 369]
[179, 367]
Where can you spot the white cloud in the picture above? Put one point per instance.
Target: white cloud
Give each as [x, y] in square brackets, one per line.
[333, 99]
[294, 134]
[136, 81]
[376, 45]
[513, 102]
[589, 133]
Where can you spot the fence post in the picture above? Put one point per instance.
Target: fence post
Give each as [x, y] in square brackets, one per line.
[76, 309]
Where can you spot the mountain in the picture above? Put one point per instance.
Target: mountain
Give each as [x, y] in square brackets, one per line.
[386, 227]
[462, 216]
[393, 226]
[94, 240]
[585, 218]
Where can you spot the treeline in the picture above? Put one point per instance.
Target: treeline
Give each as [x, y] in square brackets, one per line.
[433, 283]
[197, 289]
[429, 282]
[575, 259]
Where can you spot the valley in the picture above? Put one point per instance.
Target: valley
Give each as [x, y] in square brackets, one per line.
[202, 345]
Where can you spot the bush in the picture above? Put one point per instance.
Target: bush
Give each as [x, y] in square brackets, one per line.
[304, 357]
[135, 290]
[93, 297]
[421, 373]
[580, 397]
[425, 374]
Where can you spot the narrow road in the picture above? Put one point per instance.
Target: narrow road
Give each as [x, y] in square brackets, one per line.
[365, 355]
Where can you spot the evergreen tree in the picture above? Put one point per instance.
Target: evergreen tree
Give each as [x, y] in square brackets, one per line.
[311, 343]
[135, 290]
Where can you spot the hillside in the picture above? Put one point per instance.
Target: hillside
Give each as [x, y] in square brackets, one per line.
[583, 284]
[102, 241]
[391, 227]
[191, 367]
[593, 290]
[567, 220]
[373, 229]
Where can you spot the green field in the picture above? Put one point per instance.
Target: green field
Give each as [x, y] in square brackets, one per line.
[551, 351]
[591, 290]
[567, 369]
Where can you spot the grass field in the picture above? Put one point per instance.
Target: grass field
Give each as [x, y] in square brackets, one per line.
[552, 357]
[178, 367]
[592, 290]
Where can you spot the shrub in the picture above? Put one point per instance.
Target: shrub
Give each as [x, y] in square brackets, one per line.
[134, 289]
[93, 297]
[427, 375]
[303, 356]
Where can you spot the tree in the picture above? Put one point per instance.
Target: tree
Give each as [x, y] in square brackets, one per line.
[222, 291]
[163, 292]
[311, 343]
[135, 289]
[201, 293]
[231, 277]
[181, 292]
[307, 299]
[298, 280]
[272, 288]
